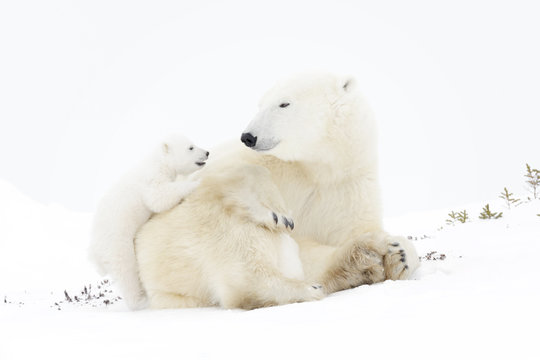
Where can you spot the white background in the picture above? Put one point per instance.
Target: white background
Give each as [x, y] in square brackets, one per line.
[85, 86]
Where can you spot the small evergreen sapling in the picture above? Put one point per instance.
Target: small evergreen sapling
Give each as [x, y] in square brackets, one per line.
[455, 217]
[508, 198]
[462, 216]
[487, 214]
[533, 180]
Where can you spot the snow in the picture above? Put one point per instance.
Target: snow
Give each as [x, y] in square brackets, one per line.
[480, 301]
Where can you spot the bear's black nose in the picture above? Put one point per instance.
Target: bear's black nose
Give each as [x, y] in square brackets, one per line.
[248, 139]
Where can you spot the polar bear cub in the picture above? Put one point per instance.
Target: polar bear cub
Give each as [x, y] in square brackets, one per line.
[160, 182]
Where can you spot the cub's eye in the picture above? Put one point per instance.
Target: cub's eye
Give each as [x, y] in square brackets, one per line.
[284, 105]
[191, 148]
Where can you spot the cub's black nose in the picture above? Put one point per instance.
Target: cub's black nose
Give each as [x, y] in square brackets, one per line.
[248, 139]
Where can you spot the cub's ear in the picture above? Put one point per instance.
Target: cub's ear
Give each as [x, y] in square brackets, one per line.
[348, 84]
[165, 148]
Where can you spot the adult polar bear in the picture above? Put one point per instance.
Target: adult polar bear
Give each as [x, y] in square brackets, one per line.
[315, 139]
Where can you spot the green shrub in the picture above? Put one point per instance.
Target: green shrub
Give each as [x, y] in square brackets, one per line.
[533, 180]
[455, 217]
[509, 199]
[487, 214]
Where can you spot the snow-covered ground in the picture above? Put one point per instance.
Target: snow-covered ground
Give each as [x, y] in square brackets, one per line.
[476, 295]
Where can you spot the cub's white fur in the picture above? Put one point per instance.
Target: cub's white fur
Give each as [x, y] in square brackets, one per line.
[312, 160]
[163, 180]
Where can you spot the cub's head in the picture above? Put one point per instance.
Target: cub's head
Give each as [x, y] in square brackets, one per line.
[307, 117]
[180, 154]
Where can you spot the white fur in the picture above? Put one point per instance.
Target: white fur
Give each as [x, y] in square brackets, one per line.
[245, 261]
[314, 161]
[289, 258]
[163, 180]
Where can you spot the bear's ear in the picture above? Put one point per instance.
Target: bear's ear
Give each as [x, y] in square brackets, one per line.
[165, 148]
[348, 84]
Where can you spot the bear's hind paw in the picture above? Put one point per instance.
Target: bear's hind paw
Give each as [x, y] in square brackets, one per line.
[396, 262]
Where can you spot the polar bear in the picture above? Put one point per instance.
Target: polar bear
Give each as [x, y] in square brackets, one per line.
[161, 181]
[234, 249]
[311, 154]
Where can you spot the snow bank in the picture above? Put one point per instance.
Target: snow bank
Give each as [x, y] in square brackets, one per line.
[476, 297]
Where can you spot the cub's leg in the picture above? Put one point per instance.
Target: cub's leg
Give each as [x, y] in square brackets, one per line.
[129, 284]
[162, 197]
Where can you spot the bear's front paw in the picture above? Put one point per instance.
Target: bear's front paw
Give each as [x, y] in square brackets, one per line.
[282, 221]
[270, 218]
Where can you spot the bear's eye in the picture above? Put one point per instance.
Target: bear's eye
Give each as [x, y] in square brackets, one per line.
[284, 105]
[191, 148]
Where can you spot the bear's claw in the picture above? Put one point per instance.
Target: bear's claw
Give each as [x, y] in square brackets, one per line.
[395, 260]
[289, 223]
[275, 220]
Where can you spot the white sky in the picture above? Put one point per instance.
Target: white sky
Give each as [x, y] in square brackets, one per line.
[85, 86]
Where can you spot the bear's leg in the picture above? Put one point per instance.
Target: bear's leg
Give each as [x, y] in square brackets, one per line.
[268, 287]
[354, 265]
[343, 267]
[370, 258]
[259, 200]
[166, 300]
[264, 211]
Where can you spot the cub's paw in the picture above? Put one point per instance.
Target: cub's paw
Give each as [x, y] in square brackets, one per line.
[396, 260]
[185, 187]
[190, 185]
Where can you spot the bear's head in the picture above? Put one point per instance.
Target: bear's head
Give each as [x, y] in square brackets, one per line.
[311, 117]
[179, 153]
